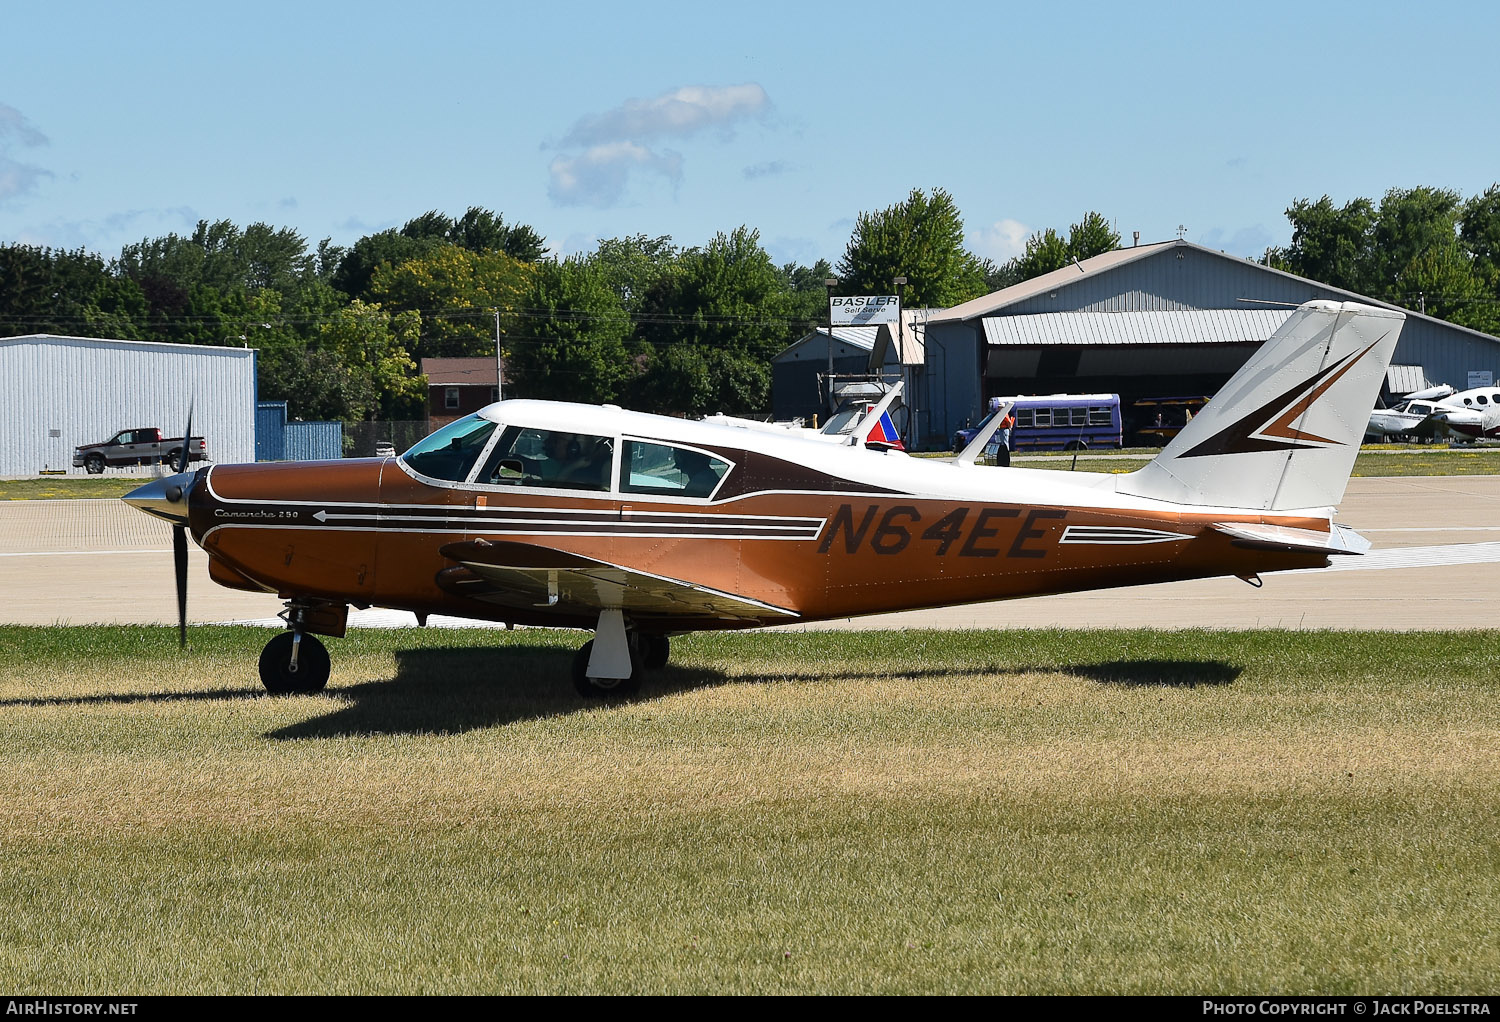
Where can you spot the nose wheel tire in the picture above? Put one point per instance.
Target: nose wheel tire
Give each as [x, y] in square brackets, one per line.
[603, 688]
[312, 669]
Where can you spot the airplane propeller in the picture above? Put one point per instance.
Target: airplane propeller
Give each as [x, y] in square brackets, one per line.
[179, 537]
[167, 499]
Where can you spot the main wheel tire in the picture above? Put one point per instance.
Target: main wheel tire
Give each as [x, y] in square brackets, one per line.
[94, 464]
[655, 650]
[602, 688]
[313, 666]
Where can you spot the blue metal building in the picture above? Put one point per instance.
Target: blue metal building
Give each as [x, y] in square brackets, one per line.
[276, 439]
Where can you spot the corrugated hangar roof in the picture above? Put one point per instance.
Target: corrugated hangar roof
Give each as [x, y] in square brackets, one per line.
[1045, 283]
[1201, 326]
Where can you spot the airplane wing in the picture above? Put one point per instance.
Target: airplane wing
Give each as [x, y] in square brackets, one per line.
[533, 577]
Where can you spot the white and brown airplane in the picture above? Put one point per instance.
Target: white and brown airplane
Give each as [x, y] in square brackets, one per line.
[640, 527]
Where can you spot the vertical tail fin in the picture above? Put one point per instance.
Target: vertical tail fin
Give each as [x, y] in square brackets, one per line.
[1284, 431]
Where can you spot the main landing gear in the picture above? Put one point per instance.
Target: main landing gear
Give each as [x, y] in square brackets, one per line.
[294, 662]
[610, 664]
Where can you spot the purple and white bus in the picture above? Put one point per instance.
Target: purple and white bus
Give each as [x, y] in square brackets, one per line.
[1066, 422]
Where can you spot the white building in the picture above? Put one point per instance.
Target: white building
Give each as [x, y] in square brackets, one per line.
[57, 393]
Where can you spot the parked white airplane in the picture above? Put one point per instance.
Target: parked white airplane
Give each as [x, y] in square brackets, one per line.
[1414, 415]
[1471, 414]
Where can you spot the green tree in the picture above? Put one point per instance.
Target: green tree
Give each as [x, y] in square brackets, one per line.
[634, 267]
[570, 344]
[388, 248]
[1047, 251]
[357, 366]
[806, 296]
[728, 302]
[221, 256]
[1443, 281]
[677, 380]
[1480, 231]
[372, 350]
[45, 290]
[920, 239]
[457, 292]
[1092, 236]
[1330, 244]
[1409, 223]
[481, 230]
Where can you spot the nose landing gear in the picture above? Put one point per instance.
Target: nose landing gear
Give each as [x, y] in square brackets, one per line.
[294, 662]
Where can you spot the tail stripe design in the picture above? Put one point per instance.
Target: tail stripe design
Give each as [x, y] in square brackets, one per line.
[1243, 437]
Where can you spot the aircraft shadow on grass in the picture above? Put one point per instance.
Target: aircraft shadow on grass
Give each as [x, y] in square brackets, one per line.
[455, 690]
[1156, 673]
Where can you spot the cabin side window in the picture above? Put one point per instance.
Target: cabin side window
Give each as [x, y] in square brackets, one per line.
[548, 457]
[669, 471]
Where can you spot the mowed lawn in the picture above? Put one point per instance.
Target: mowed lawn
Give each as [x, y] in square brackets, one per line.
[883, 812]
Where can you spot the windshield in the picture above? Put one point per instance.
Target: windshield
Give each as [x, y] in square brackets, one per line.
[451, 452]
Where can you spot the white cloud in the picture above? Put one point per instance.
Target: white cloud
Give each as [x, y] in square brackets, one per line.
[775, 168]
[13, 124]
[16, 177]
[597, 177]
[679, 113]
[1001, 240]
[618, 143]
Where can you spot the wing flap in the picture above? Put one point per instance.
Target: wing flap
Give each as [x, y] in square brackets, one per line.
[526, 575]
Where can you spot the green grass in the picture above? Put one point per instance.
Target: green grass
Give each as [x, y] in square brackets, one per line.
[68, 487]
[897, 812]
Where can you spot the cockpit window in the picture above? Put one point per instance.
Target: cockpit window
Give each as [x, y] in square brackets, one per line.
[669, 471]
[547, 457]
[451, 452]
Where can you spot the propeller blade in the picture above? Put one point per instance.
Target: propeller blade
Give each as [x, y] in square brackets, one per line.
[180, 562]
[187, 441]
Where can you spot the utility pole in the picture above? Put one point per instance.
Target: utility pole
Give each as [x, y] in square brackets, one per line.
[829, 283]
[499, 362]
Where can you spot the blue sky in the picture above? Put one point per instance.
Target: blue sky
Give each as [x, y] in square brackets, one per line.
[588, 121]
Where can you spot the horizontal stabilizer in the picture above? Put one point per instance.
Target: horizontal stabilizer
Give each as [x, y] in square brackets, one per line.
[1340, 540]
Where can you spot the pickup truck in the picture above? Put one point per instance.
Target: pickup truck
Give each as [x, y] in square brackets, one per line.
[137, 447]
